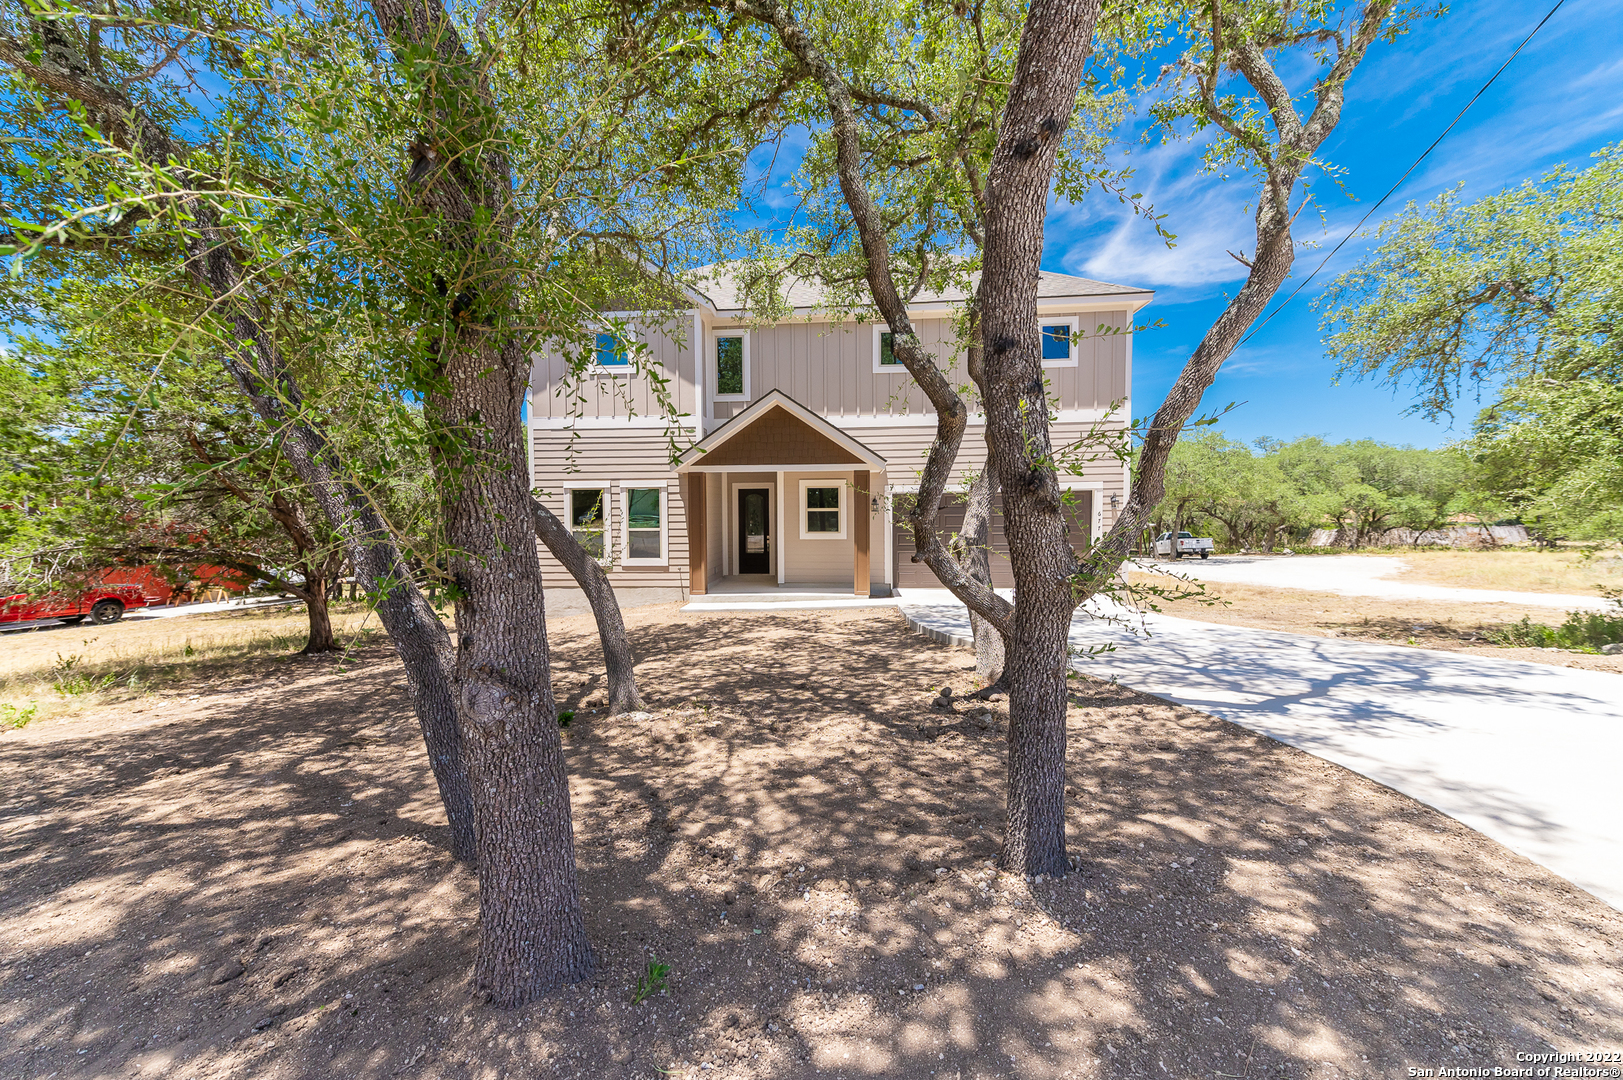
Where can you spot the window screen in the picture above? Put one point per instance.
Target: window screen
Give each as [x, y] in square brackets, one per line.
[1057, 342]
[822, 509]
[611, 351]
[886, 354]
[729, 365]
[586, 519]
[642, 524]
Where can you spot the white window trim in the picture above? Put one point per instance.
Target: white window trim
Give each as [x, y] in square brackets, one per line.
[626, 487]
[1074, 322]
[839, 483]
[715, 367]
[607, 488]
[897, 368]
[627, 331]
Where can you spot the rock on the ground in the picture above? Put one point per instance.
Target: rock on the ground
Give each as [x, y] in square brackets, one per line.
[226, 972]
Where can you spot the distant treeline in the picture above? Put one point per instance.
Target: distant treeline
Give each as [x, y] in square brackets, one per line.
[1271, 494]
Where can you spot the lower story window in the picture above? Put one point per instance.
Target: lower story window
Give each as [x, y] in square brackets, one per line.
[645, 525]
[587, 519]
[821, 509]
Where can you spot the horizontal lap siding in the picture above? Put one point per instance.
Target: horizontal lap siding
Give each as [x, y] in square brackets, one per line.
[628, 458]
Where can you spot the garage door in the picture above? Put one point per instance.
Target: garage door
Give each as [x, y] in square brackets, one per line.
[909, 574]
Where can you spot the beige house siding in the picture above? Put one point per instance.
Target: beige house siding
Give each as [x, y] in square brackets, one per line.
[618, 459]
[619, 437]
[669, 341]
[829, 368]
[830, 561]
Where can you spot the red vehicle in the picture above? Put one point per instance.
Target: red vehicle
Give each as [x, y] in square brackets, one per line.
[101, 604]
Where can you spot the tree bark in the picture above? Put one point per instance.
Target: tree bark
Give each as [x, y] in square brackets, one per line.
[618, 660]
[1054, 46]
[315, 607]
[533, 932]
[257, 366]
[976, 537]
[976, 558]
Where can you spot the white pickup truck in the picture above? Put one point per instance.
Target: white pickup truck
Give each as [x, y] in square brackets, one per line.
[1177, 545]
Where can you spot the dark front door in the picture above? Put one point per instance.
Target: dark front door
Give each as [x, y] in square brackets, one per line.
[754, 532]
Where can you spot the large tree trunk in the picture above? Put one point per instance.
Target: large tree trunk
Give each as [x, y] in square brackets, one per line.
[261, 372]
[1054, 46]
[533, 932]
[618, 661]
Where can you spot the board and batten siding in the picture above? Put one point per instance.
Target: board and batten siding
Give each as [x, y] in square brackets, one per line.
[617, 459]
[554, 395]
[829, 368]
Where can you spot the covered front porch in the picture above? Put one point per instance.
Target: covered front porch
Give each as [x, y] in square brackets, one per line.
[782, 503]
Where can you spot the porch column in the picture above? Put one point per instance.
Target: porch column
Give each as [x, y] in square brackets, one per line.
[860, 519]
[698, 548]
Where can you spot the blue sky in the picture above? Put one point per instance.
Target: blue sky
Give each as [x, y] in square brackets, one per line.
[1559, 101]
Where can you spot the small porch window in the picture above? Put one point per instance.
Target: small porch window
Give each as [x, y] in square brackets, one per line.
[645, 526]
[588, 519]
[822, 514]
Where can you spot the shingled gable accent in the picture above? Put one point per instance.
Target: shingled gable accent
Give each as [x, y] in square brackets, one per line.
[779, 431]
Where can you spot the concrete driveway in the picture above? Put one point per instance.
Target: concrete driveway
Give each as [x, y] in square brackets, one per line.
[1528, 754]
[1351, 575]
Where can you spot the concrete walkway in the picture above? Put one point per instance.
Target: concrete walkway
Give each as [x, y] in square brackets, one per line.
[1527, 754]
[1352, 575]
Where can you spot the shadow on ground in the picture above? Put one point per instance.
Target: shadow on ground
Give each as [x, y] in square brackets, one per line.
[804, 841]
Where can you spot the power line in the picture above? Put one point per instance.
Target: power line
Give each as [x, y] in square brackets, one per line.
[1393, 189]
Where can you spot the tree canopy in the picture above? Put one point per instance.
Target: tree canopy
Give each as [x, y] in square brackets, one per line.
[1517, 295]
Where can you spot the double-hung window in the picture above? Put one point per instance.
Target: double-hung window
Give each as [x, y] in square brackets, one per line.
[589, 520]
[646, 527]
[885, 359]
[822, 509]
[732, 356]
[1060, 340]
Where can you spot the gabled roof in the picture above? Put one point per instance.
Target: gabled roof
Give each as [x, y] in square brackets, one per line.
[719, 283]
[801, 427]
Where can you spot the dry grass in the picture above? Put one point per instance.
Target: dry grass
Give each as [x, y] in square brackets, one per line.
[1429, 624]
[1577, 572]
[64, 670]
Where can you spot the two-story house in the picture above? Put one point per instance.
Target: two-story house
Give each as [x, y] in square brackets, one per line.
[796, 443]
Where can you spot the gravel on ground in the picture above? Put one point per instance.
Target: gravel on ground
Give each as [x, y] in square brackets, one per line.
[804, 840]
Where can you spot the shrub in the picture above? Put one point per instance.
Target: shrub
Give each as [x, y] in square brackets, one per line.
[1583, 631]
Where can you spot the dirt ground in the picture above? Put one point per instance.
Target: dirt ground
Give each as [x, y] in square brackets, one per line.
[252, 882]
[1427, 624]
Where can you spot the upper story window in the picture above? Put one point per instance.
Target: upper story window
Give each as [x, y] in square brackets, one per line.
[822, 515]
[731, 355]
[611, 352]
[1059, 340]
[884, 357]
